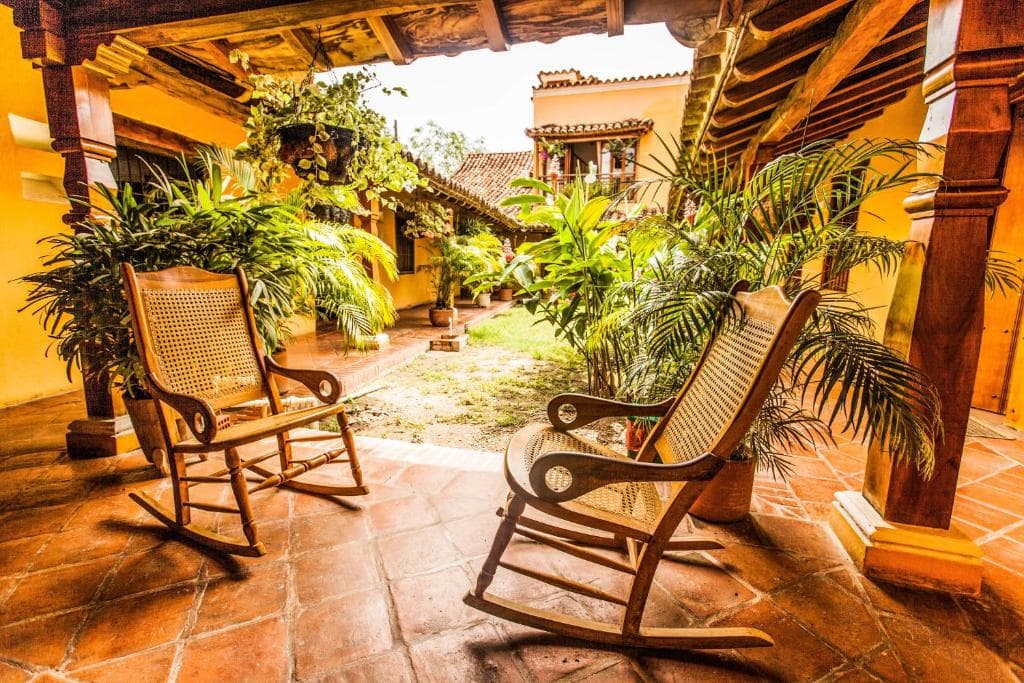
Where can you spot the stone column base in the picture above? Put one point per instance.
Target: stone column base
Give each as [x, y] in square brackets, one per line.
[916, 556]
[94, 438]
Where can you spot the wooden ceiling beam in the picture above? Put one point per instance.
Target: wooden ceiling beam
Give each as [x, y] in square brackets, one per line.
[150, 138]
[738, 94]
[854, 96]
[863, 28]
[219, 55]
[171, 81]
[791, 15]
[391, 38]
[780, 53]
[494, 24]
[615, 10]
[304, 45]
[180, 21]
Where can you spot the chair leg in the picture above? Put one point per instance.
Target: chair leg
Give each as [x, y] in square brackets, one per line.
[179, 489]
[350, 446]
[241, 491]
[284, 450]
[502, 538]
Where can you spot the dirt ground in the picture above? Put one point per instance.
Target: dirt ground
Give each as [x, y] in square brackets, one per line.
[476, 398]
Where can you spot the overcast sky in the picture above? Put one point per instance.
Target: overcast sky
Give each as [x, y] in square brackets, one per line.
[487, 94]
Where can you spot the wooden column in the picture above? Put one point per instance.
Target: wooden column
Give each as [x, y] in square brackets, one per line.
[974, 50]
[76, 87]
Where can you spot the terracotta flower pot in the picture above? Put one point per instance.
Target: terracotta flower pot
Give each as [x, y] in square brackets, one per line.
[441, 317]
[143, 413]
[505, 294]
[727, 497]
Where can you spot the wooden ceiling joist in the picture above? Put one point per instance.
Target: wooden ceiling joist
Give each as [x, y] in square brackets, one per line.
[391, 38]
[863, 28]
[616, 13]
[738, 94]
[799, 138]
[494, 24]
[131, 132]
[789, 16]
[304, 45]
[188, 67]
[164, 77]
[780, 53]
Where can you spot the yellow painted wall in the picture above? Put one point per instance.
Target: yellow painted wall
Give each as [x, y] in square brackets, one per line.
[25, 372]
[614, 102]
[883, 214]
[410, 289]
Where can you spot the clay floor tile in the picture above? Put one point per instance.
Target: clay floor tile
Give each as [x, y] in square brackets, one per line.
[417, 551]
[887, 666]
[686, 667]
[1016, 535]
[700, 586]
[473, 535]
[336, 571]
[133, 624]
[305, 504]
[426, 478]
[931, 607]
[797, 654]
[478, 653]
[262, 591]
[151, 666]
[34, 521]
[799, 537]
[765, 568]
[982, 515]
[941, 654]
[815, 467]
[80, 544]
[848, 459]
[838, 617]
[380, 471]
[255, 653]
[548, 657]
[393, 667]
[1005, 552]
[996, 622]
[619, 671]
[54, 590]
[338, 632]
[483, 485]
[18, 555]
[1010, 502]
[816, 490]
[1009, 481]
[981, 461]
[12, 674]
[98, 513]
[401, 514]
[165, 565]
[40, 642]
[323, 531]
[428, 604]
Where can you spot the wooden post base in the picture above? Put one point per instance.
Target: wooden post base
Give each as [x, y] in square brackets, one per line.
[916, 556]
[99, 438]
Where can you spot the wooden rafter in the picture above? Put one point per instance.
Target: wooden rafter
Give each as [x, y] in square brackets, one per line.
[168, 79]
[304, 45]
[616, 12]
[865, 25]
[145, 136]
[780, 53]
[791, 15]
[391, 38]
[494, 24]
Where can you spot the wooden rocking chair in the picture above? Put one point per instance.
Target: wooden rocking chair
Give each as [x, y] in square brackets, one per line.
[201, 352]
[586, 484]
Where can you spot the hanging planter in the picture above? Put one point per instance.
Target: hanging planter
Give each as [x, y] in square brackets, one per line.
[302, 147]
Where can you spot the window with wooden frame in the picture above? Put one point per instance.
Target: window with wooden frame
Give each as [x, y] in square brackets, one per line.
[832, 277]
[139, 167]
[405, 247]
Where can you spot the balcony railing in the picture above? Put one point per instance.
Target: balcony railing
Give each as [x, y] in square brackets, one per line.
[606, 183]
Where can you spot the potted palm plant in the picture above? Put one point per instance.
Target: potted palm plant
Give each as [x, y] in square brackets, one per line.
[458, 258]
[293, 264]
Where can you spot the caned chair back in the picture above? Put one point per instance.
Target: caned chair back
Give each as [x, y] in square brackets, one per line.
[196, 335]
[732, 379]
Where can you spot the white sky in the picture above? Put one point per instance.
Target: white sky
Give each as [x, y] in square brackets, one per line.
[487, 94]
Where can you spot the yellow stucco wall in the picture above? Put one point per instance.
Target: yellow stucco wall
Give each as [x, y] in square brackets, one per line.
[410, 289]
[660, 102]
[25, 372]
[883, 214]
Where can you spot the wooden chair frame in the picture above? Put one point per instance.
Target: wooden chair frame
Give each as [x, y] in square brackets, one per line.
[201, 417]
[643, 545]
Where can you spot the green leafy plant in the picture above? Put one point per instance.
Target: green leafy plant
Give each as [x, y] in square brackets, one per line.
[458, 258]
[426, 218]
[443, 149]
[292, 264]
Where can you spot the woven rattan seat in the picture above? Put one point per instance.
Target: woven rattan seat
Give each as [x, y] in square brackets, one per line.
[598, 497]
[202, 356]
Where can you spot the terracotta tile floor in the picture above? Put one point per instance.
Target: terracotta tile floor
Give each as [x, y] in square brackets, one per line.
[369, 588]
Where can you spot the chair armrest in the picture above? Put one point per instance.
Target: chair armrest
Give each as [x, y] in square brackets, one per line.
[197, 413]
[590, 408]
[588, 472]
[323, 384]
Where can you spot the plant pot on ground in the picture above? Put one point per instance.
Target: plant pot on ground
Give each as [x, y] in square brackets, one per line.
[505, 293]
[483, 299]
[299, 142]
[727, 498]
[442, 317]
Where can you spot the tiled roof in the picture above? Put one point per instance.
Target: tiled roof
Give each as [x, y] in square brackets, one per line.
[466, 196]
[637, 126]
[488, 174]
[569, 78]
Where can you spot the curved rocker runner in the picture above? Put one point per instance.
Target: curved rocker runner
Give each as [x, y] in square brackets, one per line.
[202, 354]
[581, 482]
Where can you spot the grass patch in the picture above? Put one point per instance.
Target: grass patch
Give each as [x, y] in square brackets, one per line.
[518, 330]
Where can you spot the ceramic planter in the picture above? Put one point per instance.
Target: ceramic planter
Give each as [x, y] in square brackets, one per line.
[505, 294]
[483, 299]
[727, 497]
[338, 149]
[441, 317]
[143, 413]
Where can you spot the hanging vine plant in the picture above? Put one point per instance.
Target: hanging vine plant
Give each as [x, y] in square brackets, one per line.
[620, 147]
[426, 218]
[551, 150]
